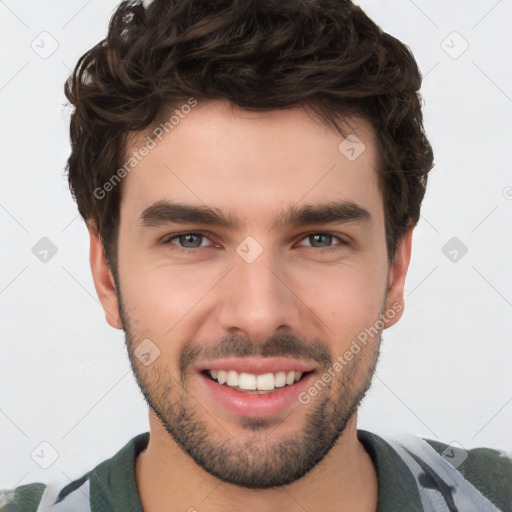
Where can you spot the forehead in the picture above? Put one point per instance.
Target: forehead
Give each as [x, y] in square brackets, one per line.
[251, 163]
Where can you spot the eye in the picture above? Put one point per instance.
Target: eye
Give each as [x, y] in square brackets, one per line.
[186, 240]
[323, 240]
[189, 241]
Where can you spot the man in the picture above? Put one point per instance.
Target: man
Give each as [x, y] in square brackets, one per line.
[250, 174]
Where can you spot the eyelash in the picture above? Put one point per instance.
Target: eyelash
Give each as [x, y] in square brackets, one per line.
[169, 238]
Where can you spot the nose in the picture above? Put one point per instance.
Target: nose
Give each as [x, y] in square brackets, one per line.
[257, 299]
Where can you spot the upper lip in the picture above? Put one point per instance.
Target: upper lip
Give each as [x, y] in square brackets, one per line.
[258, 365]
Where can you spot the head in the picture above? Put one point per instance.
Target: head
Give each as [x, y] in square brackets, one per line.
[250, 174]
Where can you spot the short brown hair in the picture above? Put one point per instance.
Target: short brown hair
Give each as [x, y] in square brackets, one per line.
[325, 55]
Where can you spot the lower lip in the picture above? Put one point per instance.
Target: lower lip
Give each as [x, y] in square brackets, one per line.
[253, 405]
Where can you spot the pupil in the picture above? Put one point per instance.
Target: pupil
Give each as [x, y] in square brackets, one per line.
[185, 239]
[320, 236]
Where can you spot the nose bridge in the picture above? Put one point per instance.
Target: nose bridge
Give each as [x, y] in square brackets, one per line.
[256, 298]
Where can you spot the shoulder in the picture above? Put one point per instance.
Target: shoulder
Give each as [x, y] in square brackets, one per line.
[25, 498]
[489, 470]
[437, 470]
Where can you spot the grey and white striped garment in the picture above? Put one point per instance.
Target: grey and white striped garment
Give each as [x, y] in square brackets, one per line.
[441, 487]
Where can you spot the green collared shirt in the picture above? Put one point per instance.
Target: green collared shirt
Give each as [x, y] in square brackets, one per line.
[111, 486]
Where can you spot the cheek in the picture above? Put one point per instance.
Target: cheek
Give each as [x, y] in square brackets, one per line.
[165, 298]
[348, 299]
[160, 298]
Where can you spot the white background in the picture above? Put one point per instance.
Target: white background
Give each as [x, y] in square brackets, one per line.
[444, 372]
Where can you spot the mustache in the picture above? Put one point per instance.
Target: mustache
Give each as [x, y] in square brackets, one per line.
[278, 345]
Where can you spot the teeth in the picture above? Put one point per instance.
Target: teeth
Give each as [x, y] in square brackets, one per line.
[280, 379]
[221, 377]
[232, 378]
[266, 381]
[249, 381]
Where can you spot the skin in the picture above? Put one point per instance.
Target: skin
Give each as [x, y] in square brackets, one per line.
[252, 164]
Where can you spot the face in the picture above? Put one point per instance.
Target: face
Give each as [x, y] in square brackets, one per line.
[253, 285]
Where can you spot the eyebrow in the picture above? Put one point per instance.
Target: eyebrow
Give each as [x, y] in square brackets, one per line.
[165, 212]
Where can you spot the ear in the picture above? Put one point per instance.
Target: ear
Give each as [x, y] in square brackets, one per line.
[103, 279]
[396, 281]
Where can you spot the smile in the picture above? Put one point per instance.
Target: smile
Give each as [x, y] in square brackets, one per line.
[255, 386]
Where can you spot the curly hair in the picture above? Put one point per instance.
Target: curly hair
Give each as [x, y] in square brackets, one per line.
[324, 55]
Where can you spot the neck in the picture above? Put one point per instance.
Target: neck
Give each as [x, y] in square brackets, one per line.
[345, 480]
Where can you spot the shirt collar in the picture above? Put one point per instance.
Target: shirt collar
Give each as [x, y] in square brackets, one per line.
[114, 487]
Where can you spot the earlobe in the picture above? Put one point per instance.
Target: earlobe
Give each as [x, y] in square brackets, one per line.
[396, 281]
[103, 279]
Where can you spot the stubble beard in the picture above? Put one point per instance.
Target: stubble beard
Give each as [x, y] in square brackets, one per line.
[255, 460]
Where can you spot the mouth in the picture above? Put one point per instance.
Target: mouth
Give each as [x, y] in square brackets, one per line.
[255, 387]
